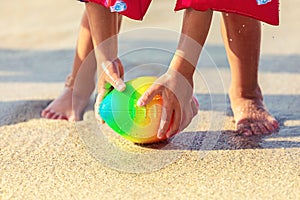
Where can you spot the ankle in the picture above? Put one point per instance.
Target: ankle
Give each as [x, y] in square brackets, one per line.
[245, 93]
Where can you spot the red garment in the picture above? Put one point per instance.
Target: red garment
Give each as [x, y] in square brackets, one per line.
[136, 9]
[268, 12]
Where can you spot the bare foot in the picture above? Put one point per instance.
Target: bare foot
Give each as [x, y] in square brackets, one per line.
[251, 117]
[61, 107]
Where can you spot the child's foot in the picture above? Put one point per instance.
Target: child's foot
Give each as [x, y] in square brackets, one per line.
[61, 107]
[251, 116]
[70, 106]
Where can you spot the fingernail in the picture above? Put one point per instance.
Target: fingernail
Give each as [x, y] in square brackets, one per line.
[159, 134]
[120, 86]
[196, 102]
[169, 135]
[140, 102]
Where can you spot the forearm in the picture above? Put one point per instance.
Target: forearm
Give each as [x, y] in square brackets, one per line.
[194, 32]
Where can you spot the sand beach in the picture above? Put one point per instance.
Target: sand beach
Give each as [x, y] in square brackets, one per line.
[47, 159]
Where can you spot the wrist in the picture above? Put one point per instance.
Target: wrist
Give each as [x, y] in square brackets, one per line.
[182, 66]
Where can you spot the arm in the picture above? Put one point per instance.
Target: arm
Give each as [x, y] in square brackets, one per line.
[176, 86]
[104, 30]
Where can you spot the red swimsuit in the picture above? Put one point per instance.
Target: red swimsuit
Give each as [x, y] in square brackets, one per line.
[263, 10]
[135, 9]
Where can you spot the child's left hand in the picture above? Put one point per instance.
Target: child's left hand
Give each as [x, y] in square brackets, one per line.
[110, 77]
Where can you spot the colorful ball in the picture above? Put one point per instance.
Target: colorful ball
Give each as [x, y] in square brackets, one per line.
[120, 111]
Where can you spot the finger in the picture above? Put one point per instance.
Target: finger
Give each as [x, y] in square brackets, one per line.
[186, 119]
[165, 122]
[174, 124]
[120, 68]
[111, 69]
[195, 100]
[149, 95]
[99, 98]
[188, 113]
[195, 106]
[103, 90]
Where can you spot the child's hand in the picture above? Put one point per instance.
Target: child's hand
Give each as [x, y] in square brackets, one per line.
[109, 77]
[179, 105]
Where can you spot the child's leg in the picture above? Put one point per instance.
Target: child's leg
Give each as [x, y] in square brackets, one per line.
[242, 37]
[194, 32]
[61, 107]
[195, 28]
[104, 32]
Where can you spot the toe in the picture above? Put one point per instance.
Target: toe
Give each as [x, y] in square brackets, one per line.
[76, 115]
[55, 116]
[269, 127]
[247, 132]
[275, 124]
[45, 112]
[49, 114]
[262, 128]
[255, 129]
[244, 129]
[71, 118]
[62, 117]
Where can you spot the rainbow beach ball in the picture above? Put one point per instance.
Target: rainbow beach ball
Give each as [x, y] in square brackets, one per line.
[120, 112]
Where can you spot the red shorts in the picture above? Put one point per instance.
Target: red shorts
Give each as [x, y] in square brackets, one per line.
[135, 9]
[267, 12]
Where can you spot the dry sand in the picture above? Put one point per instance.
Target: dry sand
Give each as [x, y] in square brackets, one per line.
[44, 159]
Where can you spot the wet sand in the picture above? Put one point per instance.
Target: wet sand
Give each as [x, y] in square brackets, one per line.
[45, 159]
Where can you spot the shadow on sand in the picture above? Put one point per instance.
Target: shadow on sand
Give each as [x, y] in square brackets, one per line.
[14, 112]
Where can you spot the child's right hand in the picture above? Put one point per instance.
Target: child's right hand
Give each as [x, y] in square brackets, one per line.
[110, 76]
[179, 105]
